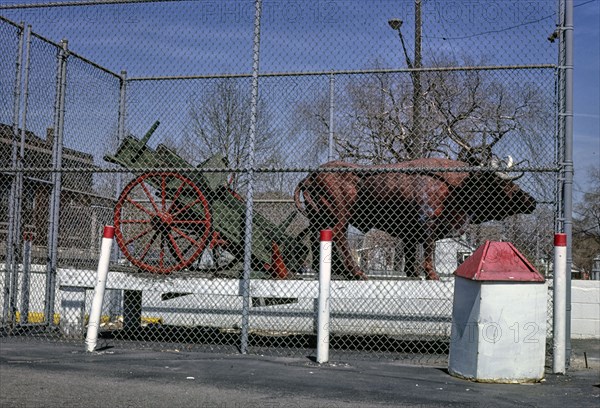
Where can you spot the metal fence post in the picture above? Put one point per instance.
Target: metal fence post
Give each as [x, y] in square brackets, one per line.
[565, 153]
[7, 310]
[568, 164]
[56, 183]
[120, 138]
[117, 296]
[249, 193]
[331, 114]
[17, 221]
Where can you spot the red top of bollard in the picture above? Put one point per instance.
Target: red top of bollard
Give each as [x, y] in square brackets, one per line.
[109, 232]
[560, 240]
[326, 235]
[498, 261]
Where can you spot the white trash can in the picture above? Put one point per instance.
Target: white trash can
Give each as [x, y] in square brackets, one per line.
[498, 318]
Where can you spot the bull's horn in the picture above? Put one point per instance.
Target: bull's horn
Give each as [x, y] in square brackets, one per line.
[509, 162]
[506, 163]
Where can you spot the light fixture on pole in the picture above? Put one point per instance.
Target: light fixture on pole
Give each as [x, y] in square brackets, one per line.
[396, 24]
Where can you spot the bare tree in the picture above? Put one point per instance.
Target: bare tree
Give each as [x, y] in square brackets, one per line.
[465, 114]
[586, 225]
[221, 122]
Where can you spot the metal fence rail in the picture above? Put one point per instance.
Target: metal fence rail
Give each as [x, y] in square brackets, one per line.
[443, 130]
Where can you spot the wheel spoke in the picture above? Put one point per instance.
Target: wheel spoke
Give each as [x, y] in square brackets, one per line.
[187, 237]
[138, 236]
[187, 206]
[140, 207]
[161, 256]
[149, 195]
[148, 246]
[176, 248]
[176, 196]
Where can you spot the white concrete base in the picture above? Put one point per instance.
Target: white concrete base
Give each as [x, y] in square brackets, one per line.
[375, 307]
[72, 312]
[585, 309]
[498, 331]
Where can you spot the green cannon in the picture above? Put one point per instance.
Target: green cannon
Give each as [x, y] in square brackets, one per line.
[166, 220]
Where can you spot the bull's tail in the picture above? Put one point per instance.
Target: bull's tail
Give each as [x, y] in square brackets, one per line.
[310, 189]
[301, 189]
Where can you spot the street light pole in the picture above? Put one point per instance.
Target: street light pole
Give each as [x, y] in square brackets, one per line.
[416, 97]
[415, 145]
[396, 24]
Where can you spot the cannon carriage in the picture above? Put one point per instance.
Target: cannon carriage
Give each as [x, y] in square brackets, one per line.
[167, 220]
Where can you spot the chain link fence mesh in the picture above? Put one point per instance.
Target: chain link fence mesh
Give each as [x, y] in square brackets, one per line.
[443, 134]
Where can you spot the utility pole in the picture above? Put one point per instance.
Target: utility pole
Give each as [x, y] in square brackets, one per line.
[416, 79]
[414, 147]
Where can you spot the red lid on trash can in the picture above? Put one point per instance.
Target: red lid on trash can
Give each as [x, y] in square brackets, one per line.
[498, 261]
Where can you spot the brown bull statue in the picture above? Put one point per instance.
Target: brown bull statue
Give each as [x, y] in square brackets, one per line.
[418, 206]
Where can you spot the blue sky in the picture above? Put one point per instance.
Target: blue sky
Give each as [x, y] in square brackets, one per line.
[586, 122]
[216, 37]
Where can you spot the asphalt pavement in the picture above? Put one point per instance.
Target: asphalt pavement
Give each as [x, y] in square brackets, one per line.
[51, 374]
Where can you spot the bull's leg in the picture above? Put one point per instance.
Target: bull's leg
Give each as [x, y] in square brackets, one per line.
[410, 259]
[340, 239]
[399, 255]
[428, 253]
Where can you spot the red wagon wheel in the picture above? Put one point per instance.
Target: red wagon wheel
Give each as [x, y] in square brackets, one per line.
[162, 222]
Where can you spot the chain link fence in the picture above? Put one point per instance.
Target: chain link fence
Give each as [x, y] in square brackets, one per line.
[438, 120]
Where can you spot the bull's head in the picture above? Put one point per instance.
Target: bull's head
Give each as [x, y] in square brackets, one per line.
[493, 195]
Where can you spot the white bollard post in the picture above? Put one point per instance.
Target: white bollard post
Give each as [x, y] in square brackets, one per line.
[324, 285]
[560, 305]
[94, 318]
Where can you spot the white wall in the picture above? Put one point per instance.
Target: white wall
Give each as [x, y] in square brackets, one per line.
[585, 309]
